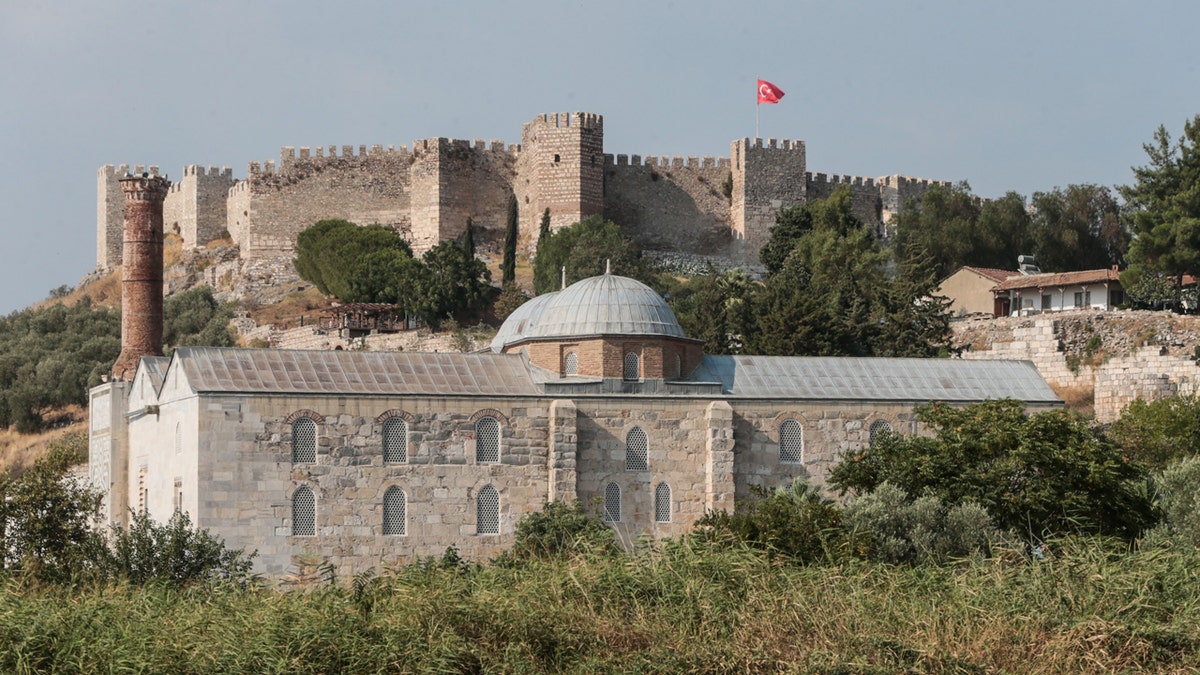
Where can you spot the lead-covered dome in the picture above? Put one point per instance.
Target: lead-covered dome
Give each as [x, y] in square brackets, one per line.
[601, 305]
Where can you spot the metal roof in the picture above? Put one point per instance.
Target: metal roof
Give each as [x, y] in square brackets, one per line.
[839, 378]
[277, 371]
[514, 327]
[605, 305]
[156, 369]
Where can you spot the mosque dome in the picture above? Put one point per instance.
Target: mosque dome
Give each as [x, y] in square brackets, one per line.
[600, 305]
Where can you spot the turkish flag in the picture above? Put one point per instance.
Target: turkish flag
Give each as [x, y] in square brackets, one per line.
[768, 93]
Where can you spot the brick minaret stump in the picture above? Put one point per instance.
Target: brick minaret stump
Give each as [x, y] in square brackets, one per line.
[141, 272]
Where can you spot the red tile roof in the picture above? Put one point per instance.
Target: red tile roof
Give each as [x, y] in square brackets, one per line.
[1054, 280]
[992, 273]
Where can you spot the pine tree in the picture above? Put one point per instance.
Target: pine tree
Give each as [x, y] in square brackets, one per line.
[508, 266]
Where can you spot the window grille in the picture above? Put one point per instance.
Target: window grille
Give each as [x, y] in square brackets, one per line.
[632, 366]
[571, 364]
[612, 503]
[636, 450]
[487, 440]
[791, 442]
[487, 511]
[662, 503]
[678, 366]
[395, 441]
[304, 513]
[304, 441]
[879, 427]
[395, 508]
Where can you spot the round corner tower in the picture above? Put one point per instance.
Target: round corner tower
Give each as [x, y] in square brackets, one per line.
[141, 272]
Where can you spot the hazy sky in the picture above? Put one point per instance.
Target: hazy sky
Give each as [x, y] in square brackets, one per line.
[1009, 95]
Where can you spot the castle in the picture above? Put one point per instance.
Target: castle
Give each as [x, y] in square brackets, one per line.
[721, 205]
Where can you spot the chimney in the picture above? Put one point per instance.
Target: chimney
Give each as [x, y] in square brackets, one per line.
[141, 272]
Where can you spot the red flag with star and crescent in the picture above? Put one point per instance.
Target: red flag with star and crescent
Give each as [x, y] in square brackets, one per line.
[768, 93]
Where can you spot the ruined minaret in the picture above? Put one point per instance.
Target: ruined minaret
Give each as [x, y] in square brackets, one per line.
[141, 271]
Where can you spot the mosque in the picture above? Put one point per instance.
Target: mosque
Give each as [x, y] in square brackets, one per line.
[593, 393]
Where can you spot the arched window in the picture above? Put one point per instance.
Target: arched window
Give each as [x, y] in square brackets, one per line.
[487, 511]
[570, 364]
[612, 503]
[678, 366]
[632, 366]
[178, 438]
[304, 441]
[487, 440]
[662, 503]
[879, 427]
[395, 441]
[304, 512]
[791, 442]
[636, 450]
[395, 511]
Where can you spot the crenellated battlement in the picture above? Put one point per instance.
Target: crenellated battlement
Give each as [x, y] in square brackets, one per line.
[899, 181]
[836, 179]
[664, 161]
[581, 120]
[770, 144]
[211, 171]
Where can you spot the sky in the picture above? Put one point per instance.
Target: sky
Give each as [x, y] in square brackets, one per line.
[1014, 95]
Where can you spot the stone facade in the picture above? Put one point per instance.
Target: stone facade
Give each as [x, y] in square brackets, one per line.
[428, 189]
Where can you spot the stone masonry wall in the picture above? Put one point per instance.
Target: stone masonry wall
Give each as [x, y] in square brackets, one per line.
[671, 203]
[766, 178]
[196, 205]
[110, 215]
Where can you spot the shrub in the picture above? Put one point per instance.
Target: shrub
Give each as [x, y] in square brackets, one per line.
[887, 525]
[1177, 496]
[1038, 474]
[173, 553]
[1159, 432]
[561, 530]
[798, 523]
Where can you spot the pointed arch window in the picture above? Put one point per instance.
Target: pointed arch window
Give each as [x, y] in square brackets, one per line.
[395, 441]
[571, 364]
[662, 503]
[791, 442]
[636, 450]
[395, 511]
[487, 511]
[304, 441]
[487, 440]
[304, 512]
[633, 363]
[878, 428]
[612, 503]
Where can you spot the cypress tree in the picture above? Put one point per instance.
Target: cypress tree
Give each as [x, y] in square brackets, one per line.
[545, 228]
[508, 266]
[469, 240]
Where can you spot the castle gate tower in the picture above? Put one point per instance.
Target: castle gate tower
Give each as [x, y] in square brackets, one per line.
[141, 272]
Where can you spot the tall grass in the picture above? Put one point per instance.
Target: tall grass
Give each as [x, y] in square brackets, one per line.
[1089, 606]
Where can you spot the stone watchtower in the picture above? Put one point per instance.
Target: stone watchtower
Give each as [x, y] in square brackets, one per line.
[566, 174]
[766, 179]
[141, 272]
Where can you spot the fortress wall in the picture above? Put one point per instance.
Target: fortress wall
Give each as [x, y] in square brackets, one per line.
[767, 176]
[363, 187]
[196, 205]
[671, 203]
[237, 210]
[864, 195]
[895, 190]
[110, 215]
[452, 180]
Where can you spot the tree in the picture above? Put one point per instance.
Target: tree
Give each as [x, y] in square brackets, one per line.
[1164, 203]
[452, 283]
[1159, 432]
[796, 522]
[195, 318]
[45, 520]
[715, 308]
[1036, 474]
[544, 228]
[584, 248]
[1079, 228]
[172, 553]
[912, 320]
[944, 225]
[332, 253]
[508, 266]
[469, 239]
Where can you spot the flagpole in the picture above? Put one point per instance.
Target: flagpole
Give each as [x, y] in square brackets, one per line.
[756, 107]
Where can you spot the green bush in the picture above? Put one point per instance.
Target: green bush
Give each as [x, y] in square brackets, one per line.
[1159, 432]
[1177, 496]
[561, 530]
[1036, 474]
[172, 553]
[886, 525]
[797, 523]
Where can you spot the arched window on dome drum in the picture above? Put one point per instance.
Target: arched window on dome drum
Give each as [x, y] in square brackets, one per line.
[570, 364]
[304, 512]
[879, 427]
[636, 450]
[612, 503]
[633, 369]
[487, 511]
[487, 440]
[791, 442]
[678, 366]
[395, 441]
[395, 507]
[304, 441]
[662, 503]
